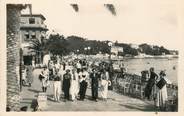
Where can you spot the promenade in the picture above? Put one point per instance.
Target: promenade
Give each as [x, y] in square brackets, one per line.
[115, 102]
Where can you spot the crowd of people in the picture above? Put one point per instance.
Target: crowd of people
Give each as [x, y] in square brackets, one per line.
[73, 79]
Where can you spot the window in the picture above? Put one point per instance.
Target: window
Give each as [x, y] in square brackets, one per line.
[41, 21]
[26, 37]
[31, 20]
[33, 36]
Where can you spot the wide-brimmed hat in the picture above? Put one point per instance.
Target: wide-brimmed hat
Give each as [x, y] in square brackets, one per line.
[162, 73]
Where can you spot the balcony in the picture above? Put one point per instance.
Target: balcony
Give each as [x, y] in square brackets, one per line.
[34, 26]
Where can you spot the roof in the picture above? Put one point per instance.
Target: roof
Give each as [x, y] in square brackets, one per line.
[33, 15]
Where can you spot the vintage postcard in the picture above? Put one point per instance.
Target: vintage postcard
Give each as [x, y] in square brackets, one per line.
[93, 56]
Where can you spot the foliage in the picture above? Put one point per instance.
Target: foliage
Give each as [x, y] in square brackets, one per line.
[38, 47]
[59, 45]
[153, 50]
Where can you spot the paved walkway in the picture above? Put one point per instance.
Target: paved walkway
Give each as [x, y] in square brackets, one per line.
[115, 102]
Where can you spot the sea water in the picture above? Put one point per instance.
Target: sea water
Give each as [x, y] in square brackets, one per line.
[170, 66]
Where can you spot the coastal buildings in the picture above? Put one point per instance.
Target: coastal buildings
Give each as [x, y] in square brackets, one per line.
[135, 46]
[32, 27]
[116, 49]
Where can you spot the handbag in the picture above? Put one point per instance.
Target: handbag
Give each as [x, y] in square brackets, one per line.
[161, 83]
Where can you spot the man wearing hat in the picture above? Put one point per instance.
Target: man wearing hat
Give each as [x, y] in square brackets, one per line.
[57, 86]
[66, 84]
[94, 84]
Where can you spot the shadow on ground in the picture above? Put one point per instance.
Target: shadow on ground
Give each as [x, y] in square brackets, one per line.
[138, 107]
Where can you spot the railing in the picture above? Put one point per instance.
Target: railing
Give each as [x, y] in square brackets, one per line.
[34, 26]
[133, 86]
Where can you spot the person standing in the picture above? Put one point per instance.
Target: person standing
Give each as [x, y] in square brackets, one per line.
[83, 84]
[33, 63]
[104, 84]
[78, 66]
[30, 75]
[61, 73]
[151, 83]
[44, 78]
[66, 84]
[24, 76]
[111, 73]
[57, 86]
[64, 65]
[74, 88]
[51, 70]
[161, 96]
[94, 84]
[57, 65]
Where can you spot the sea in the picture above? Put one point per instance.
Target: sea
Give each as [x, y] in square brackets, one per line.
[170, 65]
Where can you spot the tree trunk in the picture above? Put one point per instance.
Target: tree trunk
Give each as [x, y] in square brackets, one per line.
[13, 57]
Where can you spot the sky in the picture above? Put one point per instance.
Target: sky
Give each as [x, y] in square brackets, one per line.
[137, 21]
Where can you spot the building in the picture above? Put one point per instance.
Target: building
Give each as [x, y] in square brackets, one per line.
[135, 46]
[32, 28]
[116, 49]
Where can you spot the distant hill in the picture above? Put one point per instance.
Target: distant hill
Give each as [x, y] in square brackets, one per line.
[77, 44]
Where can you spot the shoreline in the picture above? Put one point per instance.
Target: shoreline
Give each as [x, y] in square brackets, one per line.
[169, 57]
[148, 57]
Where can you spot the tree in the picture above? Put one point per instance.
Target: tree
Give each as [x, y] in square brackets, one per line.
[57, 45]
[13, 56]
[38, 47]
[163, 50]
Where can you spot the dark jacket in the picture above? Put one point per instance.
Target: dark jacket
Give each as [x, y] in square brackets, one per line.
[94, 79]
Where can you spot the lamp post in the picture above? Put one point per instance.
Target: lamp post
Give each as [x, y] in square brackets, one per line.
[110, 65]
[89, 50]
[77, 53]
[110, 45]
[85, 49]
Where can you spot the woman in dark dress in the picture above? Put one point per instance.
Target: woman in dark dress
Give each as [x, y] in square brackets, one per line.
[66, 84]
[151, 83]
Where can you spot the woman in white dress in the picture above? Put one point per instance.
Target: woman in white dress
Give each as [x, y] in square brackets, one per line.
[84, 76]
[74, 88]
[161, 96]
[104, 84]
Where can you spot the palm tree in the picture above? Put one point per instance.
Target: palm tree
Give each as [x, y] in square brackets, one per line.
[38, 47]
[13, 57]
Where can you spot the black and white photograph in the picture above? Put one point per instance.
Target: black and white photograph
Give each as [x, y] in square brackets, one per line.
[93, 56]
